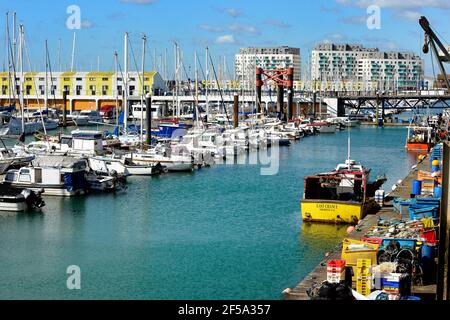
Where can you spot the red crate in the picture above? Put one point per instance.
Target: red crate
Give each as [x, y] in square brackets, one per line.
[378, 241]
[429, 235]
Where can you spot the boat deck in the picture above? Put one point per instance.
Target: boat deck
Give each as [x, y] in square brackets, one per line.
[319, 274]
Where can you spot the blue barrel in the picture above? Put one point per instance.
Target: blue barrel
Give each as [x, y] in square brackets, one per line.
[435, 168]
[429, 252]
[438, 192]
[417, 188]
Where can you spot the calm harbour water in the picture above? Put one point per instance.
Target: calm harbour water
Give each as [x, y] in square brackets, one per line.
[224, 232]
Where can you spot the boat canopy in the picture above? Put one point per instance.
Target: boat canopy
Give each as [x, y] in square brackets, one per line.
[59, 162]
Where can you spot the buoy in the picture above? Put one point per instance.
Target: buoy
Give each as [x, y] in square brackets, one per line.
[422, 157]
[399, 182]
[435, 163]
[350, 230]
[287, 291]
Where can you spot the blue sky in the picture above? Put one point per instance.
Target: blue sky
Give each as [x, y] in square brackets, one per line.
[224, 26]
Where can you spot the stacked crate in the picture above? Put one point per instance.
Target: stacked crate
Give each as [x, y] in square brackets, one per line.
[336, 271]
[363, 276]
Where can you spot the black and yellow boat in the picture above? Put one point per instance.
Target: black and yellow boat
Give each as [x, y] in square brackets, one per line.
[343, 196]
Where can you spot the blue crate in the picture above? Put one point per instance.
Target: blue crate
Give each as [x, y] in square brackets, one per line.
[404, 243]
[417, 213]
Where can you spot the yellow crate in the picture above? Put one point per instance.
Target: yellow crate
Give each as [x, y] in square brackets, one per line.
[351, 257]
[363, 267]
[363, 285]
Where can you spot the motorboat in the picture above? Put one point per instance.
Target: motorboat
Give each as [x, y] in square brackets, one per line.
[55, 175]
[19, 200]
[123, 166]
[86, 118]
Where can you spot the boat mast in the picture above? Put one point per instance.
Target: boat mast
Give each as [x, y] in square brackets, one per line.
[21, 36]
[125, 82]
[9, 58]
[14, 37]
[72, 66]
[349, 147]
[46, 76]
[174, 90]
[116, 72]
[196, 91]
[207, 85]
[144, 44]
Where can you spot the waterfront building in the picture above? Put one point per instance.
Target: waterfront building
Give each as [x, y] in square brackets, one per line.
[378, 70]
[249, 59]
[86, 90]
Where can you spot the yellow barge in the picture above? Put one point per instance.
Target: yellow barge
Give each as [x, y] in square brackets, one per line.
[344, 196]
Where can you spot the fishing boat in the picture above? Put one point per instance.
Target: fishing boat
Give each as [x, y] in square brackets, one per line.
[342, 196]
[55, 175]
[19, 200]
[419, 139]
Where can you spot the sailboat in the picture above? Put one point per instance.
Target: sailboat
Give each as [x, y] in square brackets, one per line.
[342, 196]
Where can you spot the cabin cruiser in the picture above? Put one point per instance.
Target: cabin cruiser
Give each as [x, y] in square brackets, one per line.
[19, 200]
[55, 175]
[123, 166]
[325, 127]
[86, 117]
[79, 143]
[163, 156]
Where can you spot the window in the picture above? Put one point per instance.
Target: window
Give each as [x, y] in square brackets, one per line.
[79, 79]
[11, 177]
[66, 79]
[28, 79]
[92, 79]
[105, 79]
[24, 177]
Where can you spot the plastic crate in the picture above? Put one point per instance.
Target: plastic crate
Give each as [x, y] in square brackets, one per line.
[404, 243]
[377, 241]
[363, 285]
[335, 277]
[428, 235]
[366, 251]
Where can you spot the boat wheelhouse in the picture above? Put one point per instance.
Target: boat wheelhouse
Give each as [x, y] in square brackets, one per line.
[419, 139]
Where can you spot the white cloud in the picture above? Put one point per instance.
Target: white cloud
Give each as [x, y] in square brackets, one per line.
[226, 39]
[277, 23]
[87, 24]
[410, 15]
[233, 12]
[240, 28]
[210, 28]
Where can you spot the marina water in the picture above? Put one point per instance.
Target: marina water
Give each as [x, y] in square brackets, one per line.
[224, 232]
